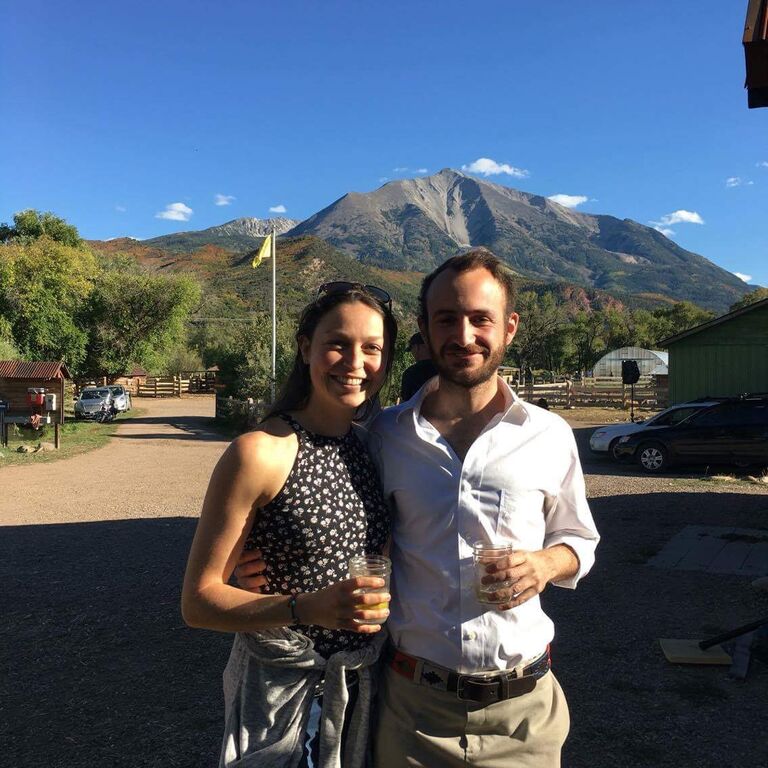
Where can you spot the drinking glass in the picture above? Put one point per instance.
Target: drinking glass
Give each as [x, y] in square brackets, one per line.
[371, 565]
[483, 555]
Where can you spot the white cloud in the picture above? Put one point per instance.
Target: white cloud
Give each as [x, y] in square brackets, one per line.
[487, 167]
[762, 164]
[382, 179]
[422, 170]
[175, 212]
[120, 208]
[402, 169]
[569, 201]
[741, 276]
[278, 209]
[223, 199]
[681, 216]
[733, 181]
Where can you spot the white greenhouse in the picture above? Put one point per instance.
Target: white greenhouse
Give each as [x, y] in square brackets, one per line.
[651, 362]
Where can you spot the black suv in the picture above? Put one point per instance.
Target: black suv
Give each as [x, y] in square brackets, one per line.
[733, 432]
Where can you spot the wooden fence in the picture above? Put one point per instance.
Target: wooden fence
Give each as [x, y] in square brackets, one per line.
[599, 392]
[174, 386]
[244, 414]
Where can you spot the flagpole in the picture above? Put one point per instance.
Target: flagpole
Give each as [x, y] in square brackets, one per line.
[274, 314]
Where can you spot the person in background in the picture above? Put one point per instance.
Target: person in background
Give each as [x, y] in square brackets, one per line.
[301, 487]
[420, 372]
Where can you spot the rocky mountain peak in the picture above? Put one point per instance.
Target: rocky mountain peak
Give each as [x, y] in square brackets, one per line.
[253, 227]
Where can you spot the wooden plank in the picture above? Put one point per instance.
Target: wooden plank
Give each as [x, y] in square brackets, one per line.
[757, 560]
[688, 652]
[702, 554]
[731, 557]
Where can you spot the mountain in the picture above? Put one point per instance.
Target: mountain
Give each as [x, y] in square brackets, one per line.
[232, 288]
[415, 224]
[235, 235]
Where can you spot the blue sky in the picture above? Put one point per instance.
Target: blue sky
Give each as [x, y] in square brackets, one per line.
[131, 118]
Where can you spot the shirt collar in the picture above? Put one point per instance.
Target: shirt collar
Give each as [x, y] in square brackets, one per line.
[514, 408]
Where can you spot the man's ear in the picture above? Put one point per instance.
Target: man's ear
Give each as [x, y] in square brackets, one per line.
[512, 322]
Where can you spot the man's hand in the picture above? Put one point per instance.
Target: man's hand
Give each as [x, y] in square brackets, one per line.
[249, 571]
[529, 572]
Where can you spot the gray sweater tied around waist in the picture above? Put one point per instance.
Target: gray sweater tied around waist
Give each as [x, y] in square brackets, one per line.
[269, 683]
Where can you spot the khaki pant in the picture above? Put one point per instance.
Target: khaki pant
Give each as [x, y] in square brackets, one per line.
[421, 726]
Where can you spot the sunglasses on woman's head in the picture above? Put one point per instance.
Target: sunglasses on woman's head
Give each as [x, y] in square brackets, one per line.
[342, 286]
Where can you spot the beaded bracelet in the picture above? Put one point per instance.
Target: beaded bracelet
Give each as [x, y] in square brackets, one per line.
[292, 606]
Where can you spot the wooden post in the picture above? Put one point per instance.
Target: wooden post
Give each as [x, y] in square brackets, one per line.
[56, 435]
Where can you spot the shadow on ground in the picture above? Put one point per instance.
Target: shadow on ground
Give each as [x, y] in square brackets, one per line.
[191, 428]
[103, 672]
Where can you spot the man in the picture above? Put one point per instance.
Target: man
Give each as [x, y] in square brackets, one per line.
[420, 372]
[467, 461]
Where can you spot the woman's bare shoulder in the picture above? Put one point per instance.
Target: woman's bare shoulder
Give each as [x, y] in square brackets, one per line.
[272, 442]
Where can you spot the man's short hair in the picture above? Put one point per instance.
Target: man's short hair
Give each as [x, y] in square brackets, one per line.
[475, 258]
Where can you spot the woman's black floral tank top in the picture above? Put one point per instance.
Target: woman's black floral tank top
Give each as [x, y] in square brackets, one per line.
[330, 508]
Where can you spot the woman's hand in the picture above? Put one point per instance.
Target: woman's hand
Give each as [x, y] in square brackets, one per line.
[249, 572]
[343, 605]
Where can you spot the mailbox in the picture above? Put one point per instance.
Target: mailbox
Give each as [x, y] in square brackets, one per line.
[50, 401]
[35, 396]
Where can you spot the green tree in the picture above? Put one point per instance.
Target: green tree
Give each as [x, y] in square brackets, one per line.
[30, 225]
[759, 294]
[44, 288]
[587, 331]
[538, 342]
[246, 368]
[680, 317]
[137, 318]
[8, 350]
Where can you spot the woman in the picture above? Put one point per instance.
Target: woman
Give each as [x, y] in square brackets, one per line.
[302, 487]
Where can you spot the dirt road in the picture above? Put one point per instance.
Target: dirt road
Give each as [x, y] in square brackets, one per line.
[158, 465]
[101, 670]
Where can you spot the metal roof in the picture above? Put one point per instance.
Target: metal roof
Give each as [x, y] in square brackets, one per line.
[26, 369]
[711, 323]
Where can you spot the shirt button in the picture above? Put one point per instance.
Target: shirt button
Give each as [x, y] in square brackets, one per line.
[470, 635]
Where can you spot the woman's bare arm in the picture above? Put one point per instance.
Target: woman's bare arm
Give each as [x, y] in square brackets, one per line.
[249, 475]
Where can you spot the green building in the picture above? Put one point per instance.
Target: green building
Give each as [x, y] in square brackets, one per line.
[726, 356]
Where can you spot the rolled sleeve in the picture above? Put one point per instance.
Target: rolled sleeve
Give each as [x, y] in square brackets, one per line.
[570, 520]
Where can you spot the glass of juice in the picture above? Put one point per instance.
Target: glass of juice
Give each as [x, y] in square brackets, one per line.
[499, 590]
[371, 565]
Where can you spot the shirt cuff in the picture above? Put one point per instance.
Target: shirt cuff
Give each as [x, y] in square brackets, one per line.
[585, 553]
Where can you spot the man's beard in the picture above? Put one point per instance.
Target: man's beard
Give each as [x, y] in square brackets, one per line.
[468, 377]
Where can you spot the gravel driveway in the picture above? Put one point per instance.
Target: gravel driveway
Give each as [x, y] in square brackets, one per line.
[101, 670]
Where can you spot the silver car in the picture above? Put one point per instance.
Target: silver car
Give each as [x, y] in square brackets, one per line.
[121, 397]
[91, 402]
[605, 439]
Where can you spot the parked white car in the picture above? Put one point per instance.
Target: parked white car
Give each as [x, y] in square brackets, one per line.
[121, 397]
[91, 401]
[605, 439]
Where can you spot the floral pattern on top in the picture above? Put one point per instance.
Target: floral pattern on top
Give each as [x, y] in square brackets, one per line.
[330, 508]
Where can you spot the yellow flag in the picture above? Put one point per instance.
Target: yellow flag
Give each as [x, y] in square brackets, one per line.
[263, 253]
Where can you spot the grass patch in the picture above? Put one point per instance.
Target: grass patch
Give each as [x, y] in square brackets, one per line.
[76, 437]
[761, 479]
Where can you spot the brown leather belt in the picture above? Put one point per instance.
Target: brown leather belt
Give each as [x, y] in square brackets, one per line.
[483, 689]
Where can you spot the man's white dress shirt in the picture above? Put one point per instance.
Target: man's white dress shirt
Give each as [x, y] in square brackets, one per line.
[520, 482]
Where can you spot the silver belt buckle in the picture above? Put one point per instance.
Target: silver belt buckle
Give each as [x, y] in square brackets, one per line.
[479, 680]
